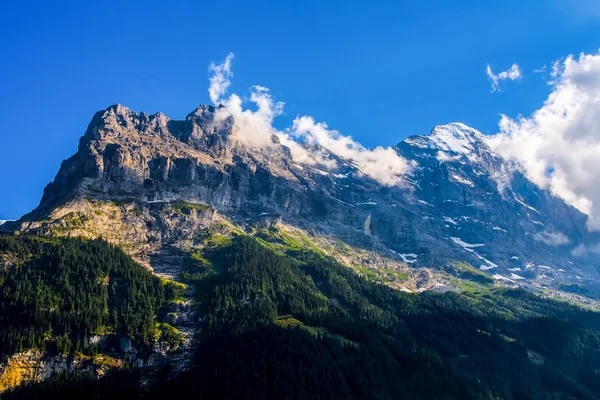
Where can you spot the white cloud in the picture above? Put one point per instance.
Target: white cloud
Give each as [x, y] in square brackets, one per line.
[558, 146]
[381, 164]
[582, 250]
[512, 74]
[552, 238]
[221, 78]
[255, 130]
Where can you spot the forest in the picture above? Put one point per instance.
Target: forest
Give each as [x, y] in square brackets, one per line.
[55, 293]
[297, 325]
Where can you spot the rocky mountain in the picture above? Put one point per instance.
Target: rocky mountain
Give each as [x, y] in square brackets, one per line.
[182, 196]
[461, 202]
[516, 231]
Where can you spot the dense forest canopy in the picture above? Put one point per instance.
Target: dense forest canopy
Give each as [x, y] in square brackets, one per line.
[298, 324]
[54, 293]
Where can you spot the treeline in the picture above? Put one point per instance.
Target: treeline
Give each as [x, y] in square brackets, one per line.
[56, 292]
[301, 325]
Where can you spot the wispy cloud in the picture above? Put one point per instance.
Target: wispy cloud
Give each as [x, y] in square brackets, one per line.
[584, 250]
[552, 238]
[255, 129]
[557, 147]
[381, 164]
[514, 73]
[220, 79]
[580, 11]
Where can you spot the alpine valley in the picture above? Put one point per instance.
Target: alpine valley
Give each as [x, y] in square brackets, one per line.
[169, 257]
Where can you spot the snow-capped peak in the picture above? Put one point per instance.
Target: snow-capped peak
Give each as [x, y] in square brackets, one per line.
[455, 137]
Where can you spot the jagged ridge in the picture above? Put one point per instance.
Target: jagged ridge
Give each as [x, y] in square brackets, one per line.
[462, 201]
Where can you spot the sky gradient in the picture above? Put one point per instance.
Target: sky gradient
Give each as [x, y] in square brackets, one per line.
[378, 74]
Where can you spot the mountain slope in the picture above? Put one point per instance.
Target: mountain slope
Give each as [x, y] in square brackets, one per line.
[300, 325]
[460, 203]
[77, 305]
[513, 228]
[275, 254]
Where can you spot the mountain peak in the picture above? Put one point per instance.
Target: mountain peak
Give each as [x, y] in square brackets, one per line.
[452, 207]
[119, 109]
[455, 137]
[202, 109]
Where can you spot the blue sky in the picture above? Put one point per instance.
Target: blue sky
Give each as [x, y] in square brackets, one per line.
[378, 71]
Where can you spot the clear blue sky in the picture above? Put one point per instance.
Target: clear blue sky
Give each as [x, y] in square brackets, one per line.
[378, 71]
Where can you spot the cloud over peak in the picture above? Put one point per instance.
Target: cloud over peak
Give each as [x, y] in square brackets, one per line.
[514, 73]
[381, 164]
[255, 129]
[557, 147]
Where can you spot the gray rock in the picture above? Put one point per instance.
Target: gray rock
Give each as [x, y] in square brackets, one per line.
[461, 203]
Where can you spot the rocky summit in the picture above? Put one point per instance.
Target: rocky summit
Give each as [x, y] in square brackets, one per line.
[461, 202]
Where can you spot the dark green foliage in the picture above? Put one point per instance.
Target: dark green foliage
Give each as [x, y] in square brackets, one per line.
[374, 342]
[53, 293]
[409, 346]
[256, 286]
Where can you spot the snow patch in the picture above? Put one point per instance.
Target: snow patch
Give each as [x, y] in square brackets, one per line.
[462, 180]
[408, 258]
[450, 220]
[343, 202]
[469, 247]
[502, 278]
[465, 245]
[324, 173]
[417, 141]
[525, 205]
[455, 137]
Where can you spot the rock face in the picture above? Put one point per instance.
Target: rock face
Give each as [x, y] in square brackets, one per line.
[461, 202]
[35, 366]
[507, 222]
